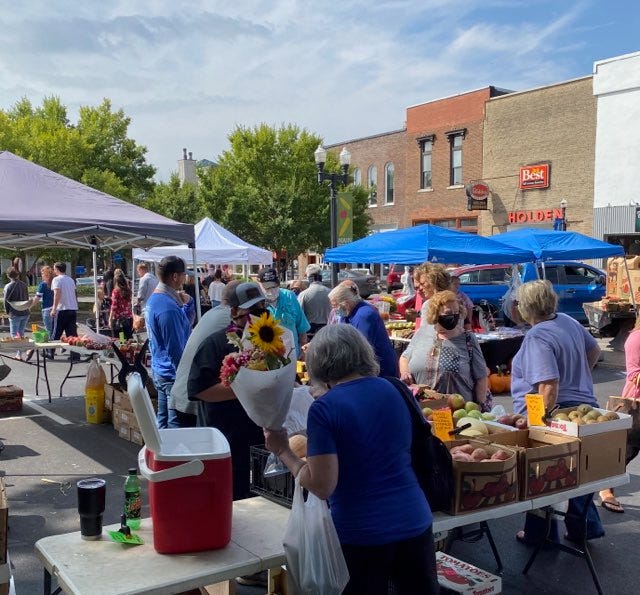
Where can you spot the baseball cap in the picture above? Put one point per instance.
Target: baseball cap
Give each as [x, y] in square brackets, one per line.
[246, 295]
[268, 275]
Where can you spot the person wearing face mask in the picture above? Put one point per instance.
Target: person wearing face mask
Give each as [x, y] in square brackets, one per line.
[283, 305]
[352, 309]
[447, 359]
[217, 405]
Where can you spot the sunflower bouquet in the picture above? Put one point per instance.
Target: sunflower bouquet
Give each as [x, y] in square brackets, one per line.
[261, 373]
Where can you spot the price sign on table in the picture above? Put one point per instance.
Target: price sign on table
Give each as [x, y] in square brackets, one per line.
[442, 423]
[535, 410]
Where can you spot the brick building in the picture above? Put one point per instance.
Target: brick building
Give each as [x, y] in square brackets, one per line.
[552, 126]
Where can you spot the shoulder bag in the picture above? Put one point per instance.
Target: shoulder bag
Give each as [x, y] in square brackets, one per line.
[430, 458]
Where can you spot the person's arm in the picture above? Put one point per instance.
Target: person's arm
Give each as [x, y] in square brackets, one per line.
[405, 373]
[56, 301]
[549, 391]
[318, 474]
[480, 389]
[593, 355]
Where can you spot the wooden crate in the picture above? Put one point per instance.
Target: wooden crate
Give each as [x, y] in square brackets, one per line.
[10, 398]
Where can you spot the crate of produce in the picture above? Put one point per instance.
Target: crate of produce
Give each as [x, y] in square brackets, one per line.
[482, 482]
[277, 488]
[548, 462]
[10, 398]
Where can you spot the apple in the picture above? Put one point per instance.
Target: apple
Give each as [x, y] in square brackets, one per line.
[455, 401]
[427, 411]
[471, 406]
[459, 414]
[475, 414]
[488, 416]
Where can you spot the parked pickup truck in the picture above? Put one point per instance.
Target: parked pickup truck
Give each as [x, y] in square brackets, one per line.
[574, 282]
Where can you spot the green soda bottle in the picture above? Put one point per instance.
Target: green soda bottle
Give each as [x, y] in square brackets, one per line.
[132, 499]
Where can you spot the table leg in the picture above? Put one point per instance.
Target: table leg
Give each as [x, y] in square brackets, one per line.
[47, 584]
[71, 362]
[485, 529]
[44, 371]
[38, 370]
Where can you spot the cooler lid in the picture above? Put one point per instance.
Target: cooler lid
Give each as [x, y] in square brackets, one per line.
[145, 414]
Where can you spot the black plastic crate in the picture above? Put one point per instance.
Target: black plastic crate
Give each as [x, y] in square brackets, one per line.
[278, 488]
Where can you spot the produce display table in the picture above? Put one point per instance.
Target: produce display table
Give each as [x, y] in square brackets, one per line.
[613, 324]
[41, 362]
[104, 567]
[499, 347]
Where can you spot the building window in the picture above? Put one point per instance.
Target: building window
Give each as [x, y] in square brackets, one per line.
[388, 177]
[468, 224]
[426, 149]
[357, 177]
[372, 183]
[455, 149]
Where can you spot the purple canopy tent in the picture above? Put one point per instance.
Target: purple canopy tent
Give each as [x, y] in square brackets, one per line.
[41, 208]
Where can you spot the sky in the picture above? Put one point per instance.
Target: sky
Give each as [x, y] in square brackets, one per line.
[187, 73]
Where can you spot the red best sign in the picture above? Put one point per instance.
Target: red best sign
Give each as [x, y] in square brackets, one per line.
[534, 176]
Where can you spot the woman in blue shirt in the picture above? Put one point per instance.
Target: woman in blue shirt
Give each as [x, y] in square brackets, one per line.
[358, 457]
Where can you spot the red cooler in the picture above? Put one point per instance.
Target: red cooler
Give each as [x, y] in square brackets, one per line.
[190, 481]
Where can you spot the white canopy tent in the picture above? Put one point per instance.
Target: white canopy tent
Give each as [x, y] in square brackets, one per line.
[214, 244]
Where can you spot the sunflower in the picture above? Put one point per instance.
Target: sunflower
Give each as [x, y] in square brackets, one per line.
[265, 334]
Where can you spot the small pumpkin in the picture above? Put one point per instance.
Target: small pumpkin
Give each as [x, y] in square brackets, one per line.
[500, 381]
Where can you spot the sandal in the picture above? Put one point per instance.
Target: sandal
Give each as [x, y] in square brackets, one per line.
[522, 538]
[612, 505]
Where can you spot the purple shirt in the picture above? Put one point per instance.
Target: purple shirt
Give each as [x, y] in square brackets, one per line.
[554, 350]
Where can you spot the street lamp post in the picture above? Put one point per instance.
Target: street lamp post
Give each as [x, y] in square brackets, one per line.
[563, 206]
[334, 179]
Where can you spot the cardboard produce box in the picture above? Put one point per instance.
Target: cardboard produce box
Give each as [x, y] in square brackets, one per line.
[603, 455]
[10, 398]
[627, 284]
[547, 462]
[480, 485]
[570, 428]
[461, 577]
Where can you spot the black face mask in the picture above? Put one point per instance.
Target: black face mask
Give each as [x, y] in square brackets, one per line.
[449, 321]
[259, 311]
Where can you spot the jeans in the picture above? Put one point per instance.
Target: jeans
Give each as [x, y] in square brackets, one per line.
[410, 563]
[166, 418]
[17, 325]
[183, 420]
[47, 321]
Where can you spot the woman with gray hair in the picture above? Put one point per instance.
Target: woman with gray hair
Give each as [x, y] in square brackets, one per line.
[555, 361]
[353, 310]
[359, 458]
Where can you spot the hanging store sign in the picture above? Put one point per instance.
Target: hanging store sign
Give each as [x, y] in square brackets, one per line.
[534, 216]
[533, 177]
[477, 196]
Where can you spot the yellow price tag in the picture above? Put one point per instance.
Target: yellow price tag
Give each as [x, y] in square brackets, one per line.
[535, 410]
[442, 423]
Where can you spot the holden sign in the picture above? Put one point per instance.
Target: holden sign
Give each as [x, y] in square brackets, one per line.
[477, 196]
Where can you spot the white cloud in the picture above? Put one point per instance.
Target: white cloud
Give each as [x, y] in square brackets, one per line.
[188, 72]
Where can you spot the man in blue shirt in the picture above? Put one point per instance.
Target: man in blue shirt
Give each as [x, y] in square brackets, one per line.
[168, 316]
[284, 306]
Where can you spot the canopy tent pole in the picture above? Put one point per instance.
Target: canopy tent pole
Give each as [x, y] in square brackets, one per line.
[94, 260]
[133, 281]
[197, 282]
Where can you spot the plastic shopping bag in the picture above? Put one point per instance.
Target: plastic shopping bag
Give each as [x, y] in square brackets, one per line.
[315, 563]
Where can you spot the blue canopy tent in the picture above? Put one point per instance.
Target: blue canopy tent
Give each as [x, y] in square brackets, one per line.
[413, 245]
[547, 244]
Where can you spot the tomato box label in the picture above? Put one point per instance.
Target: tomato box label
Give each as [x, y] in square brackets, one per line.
[461, 577]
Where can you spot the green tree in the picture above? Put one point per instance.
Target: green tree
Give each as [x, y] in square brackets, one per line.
[180, 203]
[265, 190]
[96, 151]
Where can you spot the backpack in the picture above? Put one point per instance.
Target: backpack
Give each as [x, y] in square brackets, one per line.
[430, 457]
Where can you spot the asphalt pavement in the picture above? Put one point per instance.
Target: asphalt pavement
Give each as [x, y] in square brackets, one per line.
[49, 446]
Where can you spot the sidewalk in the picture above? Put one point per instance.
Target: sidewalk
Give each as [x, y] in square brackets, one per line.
[610, 358]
